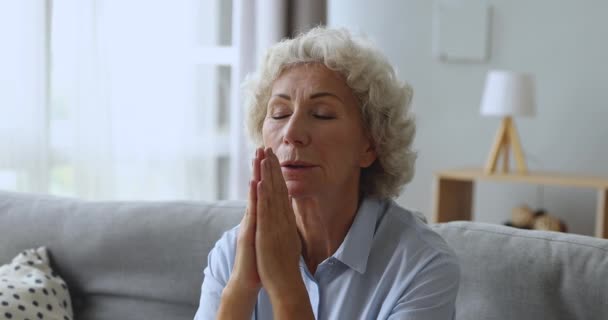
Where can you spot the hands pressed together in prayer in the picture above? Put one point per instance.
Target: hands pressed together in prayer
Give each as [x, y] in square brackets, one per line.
[268, 249]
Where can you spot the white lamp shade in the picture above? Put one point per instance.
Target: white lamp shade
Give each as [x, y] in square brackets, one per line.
[508, 93]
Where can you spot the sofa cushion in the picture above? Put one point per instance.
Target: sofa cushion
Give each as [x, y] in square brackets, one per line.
[122, 260]
[510, 273]
[30, 289]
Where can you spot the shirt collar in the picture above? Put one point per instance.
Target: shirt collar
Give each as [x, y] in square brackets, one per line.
[355, 249]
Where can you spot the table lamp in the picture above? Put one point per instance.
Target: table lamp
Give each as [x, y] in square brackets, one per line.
[507, 94]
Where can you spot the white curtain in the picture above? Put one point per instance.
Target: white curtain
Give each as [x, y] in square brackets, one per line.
[124, 113]
[131, 123]
[23, 95]
[107, 100]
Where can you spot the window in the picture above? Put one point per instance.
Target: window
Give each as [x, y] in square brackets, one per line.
[139, 100]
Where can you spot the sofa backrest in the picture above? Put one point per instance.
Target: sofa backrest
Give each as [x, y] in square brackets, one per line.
[145, 260]
[121, 260]
[518, 274]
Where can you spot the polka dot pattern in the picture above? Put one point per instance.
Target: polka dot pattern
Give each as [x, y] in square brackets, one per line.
[29, 289]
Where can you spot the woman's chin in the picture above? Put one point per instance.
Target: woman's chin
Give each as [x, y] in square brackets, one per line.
[298, 189]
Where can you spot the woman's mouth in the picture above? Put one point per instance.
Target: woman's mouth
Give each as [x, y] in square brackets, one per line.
[297, 164]
[293, 168]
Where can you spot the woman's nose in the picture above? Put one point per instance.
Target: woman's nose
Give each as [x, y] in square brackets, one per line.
[296, 131]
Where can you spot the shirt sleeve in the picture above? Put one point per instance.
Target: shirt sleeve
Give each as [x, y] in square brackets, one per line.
[432, 294]
[219, 264]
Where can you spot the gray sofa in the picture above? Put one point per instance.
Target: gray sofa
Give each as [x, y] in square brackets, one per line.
[144, 260]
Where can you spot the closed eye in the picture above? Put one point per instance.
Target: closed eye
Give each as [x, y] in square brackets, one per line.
[317, 116]
[322, 117]
[278, 117]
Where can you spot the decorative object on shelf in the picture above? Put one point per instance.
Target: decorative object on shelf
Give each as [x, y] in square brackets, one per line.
[548, 222]
[507, 94]
[525, 218]
[521, 217]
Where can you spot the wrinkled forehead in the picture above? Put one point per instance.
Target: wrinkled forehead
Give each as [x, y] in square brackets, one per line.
[310, 78]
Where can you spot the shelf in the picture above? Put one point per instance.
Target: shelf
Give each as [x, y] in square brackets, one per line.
[454, 191]
[544, 178]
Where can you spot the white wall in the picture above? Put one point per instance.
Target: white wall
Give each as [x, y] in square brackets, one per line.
[562, 42]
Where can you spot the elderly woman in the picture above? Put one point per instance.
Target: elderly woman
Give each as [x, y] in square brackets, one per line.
[321, 237]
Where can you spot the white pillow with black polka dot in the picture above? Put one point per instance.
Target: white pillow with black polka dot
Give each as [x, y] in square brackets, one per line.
[30, 290]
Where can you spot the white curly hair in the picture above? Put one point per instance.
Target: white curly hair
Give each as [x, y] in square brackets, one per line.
[384, 100]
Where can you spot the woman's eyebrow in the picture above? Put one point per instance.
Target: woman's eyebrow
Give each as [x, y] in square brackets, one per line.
[324, 94]
[312, 96]
[282, 95]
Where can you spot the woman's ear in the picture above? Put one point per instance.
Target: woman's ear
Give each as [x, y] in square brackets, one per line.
[368, 156]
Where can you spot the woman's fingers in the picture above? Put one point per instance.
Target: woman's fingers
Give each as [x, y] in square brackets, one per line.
[253, 185]
[279, 187]
[272, 190]
[277, 242]
[270, 174]
[263, 214]
[247, 228]
[244, 272]
[250, 221]
[252, 206]
[259, 155]
[270, 169]
[275, 175]
[279, 176]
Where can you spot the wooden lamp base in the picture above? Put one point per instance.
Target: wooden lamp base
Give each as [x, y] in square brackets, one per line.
[505, 138]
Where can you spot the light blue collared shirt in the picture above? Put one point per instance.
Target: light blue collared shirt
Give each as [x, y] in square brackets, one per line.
[391, 265]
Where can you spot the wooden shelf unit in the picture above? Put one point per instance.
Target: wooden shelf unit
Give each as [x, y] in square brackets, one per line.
[454, 190]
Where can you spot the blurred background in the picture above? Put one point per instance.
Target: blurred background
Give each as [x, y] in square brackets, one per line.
[141, 100]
